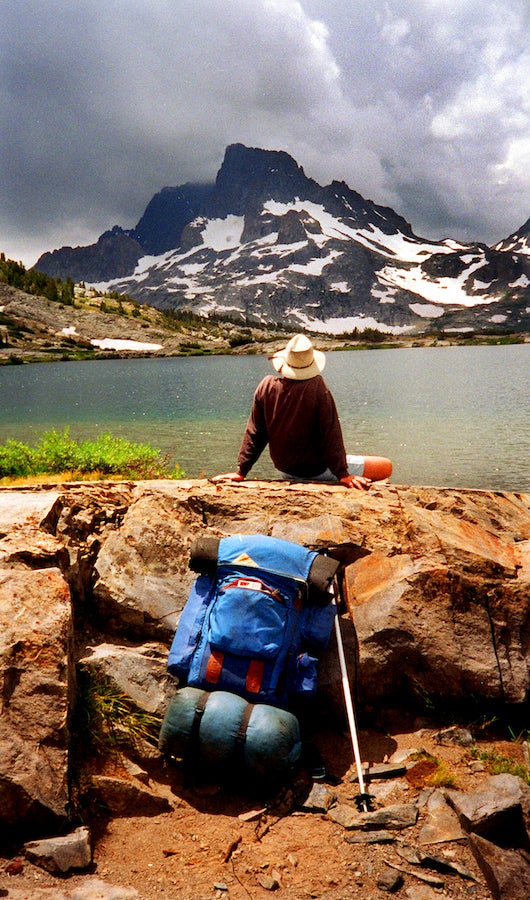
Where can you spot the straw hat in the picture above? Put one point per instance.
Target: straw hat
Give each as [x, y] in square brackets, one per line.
[299, 360]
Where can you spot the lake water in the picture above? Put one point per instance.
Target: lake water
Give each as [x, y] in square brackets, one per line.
[452, 416]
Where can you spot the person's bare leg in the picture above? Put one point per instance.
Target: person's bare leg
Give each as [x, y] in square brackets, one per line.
[377, 468]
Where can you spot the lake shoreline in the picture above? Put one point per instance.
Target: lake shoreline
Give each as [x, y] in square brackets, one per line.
[10, 357]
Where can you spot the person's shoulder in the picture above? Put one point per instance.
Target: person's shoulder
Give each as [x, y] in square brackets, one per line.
[320, 388]
[318, 383]
[268, 382]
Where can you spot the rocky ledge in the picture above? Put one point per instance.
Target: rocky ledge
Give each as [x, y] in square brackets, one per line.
[93, 578]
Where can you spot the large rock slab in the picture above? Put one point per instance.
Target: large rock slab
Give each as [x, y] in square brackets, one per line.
[18, 507]
[142, 576]
[447, 612]
[37, 677]
[439, 592]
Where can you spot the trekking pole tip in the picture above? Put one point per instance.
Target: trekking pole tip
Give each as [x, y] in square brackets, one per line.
[364, 802]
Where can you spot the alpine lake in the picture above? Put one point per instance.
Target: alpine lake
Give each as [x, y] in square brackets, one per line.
[452, 416]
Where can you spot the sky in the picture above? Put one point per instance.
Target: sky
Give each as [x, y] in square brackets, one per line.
[420, 105]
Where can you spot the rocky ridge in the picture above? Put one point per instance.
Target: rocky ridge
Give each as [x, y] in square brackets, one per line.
[92, 582]
[35, 329]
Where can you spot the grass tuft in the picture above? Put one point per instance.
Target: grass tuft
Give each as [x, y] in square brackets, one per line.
[500, 764]
[111, 720]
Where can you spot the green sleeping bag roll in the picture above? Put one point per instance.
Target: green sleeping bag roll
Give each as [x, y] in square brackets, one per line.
[220, 733]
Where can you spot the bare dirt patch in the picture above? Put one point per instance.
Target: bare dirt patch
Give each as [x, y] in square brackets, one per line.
[225, 843]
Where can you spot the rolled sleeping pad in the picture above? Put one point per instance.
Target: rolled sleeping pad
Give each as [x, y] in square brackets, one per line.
[222, 733]
[203, 555]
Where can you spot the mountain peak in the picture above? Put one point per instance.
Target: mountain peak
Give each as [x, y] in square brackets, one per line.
[249, 175]
[256, 162]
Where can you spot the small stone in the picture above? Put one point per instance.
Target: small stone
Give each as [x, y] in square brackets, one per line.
[124, 797]
[390, 881]
[442, 823]
[252, 815]
[344, 815]
[398, 816]
[319, 799]
[268, 882]
[369, 837]
[387, 790]
[15, 866]
[439, 863]
[381, 770]
[424, 797]
[455, 735]
[421, 892]
[401, 815]
[220, 886]
[60, 854]
[410, 854]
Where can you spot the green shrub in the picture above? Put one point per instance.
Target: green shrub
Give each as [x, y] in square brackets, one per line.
[57, 453]
[16, 459]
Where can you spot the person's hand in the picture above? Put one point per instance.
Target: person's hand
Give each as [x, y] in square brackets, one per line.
[360, 482]
[229, 476]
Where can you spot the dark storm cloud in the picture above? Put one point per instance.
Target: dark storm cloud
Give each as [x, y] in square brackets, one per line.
[441, 89]
[421, 105]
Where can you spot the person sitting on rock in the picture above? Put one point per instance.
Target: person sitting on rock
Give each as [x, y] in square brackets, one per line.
[295, 414]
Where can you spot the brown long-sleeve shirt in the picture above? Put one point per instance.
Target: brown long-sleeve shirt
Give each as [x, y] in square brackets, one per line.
[299, 421]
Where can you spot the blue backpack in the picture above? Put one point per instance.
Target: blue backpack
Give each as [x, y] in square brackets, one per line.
[256, 619]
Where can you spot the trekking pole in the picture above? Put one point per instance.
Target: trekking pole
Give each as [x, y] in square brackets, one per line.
[363, 798]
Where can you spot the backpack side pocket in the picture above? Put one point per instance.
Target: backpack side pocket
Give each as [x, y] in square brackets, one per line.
[189, 627]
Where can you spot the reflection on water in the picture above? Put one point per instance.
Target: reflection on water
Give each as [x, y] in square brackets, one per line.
[457, 416]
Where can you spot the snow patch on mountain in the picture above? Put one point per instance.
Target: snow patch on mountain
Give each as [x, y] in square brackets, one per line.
[396, 245]
[222, 234]
[498, 319]
[315, 266]
[426, 310]
[440, 291]
[116, 344]
[344, 325]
